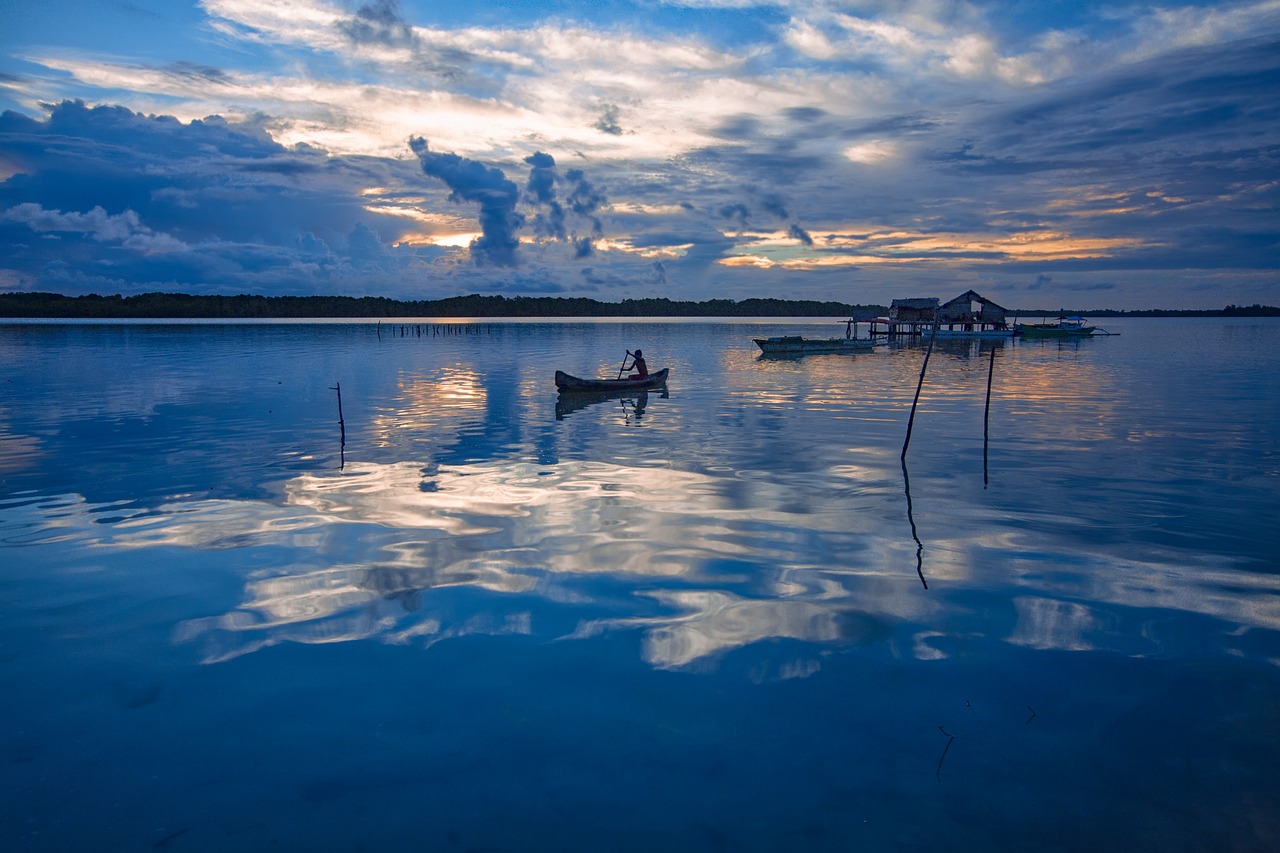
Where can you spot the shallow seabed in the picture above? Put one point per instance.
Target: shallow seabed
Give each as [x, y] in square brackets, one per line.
[478, 616]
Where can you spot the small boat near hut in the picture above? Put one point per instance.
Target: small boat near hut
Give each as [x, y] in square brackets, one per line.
[800, 345]
[1063, 327]
[567, 382]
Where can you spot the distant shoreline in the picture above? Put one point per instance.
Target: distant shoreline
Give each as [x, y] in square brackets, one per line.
[173, 306]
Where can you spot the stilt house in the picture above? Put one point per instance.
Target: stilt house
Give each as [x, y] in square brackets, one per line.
[972, 307]
[907, 317]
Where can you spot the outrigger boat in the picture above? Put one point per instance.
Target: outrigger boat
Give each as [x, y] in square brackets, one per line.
[797, 345]
[800, 345]
[566, 382]
[1063, 327]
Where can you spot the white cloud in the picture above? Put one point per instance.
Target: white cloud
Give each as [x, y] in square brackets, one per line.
[125, 228]
[869, 153]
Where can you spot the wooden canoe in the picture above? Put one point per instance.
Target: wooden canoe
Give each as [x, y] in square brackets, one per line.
[565, 382]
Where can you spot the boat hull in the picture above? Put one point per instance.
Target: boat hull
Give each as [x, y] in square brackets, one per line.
[566, 382]
[980, 334]
[796, 345]
[1056, 332]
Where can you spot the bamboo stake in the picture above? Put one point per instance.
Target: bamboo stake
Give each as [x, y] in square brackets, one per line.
[911, 519]
[342, 427]
[986, 417]
[923, 367]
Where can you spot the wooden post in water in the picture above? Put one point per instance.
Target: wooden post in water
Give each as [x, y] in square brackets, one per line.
[911, 519]
[342, 427]
[986, 417]
[923, 367]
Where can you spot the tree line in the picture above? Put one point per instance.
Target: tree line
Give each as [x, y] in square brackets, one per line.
[248, 306]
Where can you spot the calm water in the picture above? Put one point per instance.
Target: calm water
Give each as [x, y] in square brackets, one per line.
[721, 618]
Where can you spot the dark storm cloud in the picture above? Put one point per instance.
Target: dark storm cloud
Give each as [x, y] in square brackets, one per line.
[798, 233]
[542, 177]
[737, 212]
[773, 203]
[486, 186]
[107, 198]
[541, 191]
[584, 198]
[378, 22]
[608, 121]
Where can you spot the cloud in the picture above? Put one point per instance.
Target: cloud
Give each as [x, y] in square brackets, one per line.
[585, 199]
[737, 212]
[208, 204]
[96, 223]
[486, 186]
[378, 22]
[608, 121]
[924, 141]
[541, 189]
[773, 203]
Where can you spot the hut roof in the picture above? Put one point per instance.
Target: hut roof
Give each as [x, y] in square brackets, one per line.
[973, 296]
[924, 303]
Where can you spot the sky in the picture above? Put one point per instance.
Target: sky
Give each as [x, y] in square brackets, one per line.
[1048, 155]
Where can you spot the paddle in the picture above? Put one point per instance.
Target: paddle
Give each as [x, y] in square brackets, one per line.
[624, 364]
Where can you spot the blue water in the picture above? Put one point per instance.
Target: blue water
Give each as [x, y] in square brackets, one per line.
[475, 617]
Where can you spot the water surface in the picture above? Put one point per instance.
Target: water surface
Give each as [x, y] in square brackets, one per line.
[476, 616]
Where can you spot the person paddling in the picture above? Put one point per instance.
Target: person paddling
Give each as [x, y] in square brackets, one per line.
[638, 365]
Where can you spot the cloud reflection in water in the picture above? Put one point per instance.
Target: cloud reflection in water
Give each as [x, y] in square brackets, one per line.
[525, 530]
[699, 564]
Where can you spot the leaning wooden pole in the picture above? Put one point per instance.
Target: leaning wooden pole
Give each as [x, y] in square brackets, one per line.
[919, 385]
[986, 417]
[911, 519]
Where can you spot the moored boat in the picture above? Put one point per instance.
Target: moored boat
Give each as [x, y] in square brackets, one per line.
[1063, 327]
[799, 345]
[567, 382]
[980, 333]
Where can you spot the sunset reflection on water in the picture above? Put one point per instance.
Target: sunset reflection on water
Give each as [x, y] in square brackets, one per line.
[542, 600]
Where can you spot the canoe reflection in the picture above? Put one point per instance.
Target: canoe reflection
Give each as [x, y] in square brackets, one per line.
[633, 403]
